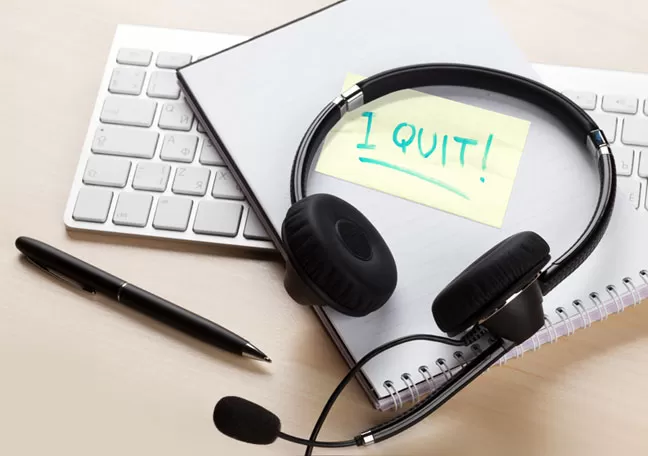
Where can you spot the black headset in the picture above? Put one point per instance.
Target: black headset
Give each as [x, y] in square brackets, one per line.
[337, 258]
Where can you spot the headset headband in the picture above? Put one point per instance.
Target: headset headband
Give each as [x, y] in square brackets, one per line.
[578, 122]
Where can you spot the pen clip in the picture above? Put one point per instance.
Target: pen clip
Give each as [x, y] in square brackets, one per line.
[59, 276]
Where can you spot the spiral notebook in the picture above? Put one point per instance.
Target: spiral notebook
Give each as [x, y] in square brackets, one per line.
[256, 100]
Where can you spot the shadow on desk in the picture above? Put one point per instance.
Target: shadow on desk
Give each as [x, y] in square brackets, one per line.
[563, 399]
[567, 398]
[559, 400]
[176, 246]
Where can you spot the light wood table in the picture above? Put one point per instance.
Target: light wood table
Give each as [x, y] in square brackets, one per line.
[86, 377]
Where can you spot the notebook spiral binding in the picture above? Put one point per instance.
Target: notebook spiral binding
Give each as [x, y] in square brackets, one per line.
[569, 319]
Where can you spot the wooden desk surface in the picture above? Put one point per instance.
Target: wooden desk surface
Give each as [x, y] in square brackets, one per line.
[86, 377]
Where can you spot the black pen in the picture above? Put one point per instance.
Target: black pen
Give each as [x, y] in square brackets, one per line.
[94, 280]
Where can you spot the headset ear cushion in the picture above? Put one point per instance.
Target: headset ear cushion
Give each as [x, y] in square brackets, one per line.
[340, 254]
[489, 281]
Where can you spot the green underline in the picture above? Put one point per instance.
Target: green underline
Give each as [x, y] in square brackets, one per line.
[443, 185]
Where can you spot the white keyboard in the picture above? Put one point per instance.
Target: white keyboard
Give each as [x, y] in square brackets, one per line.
[147, 168]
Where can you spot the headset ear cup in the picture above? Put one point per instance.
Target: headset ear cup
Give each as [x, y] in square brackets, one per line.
[489, 281]
[339, 255]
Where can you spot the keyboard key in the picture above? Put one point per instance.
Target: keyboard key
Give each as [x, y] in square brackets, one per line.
[178, 147]
[172, 59]
[132, 209]
[623, 158]
[607, 123]
[176, 116]
[218, 217]
[92, 205]
[127, 142]
[172, 213]
[632, 189]
[163, 84]
[106, 171]
[225, 186]
[254, 229]
[126, 80]
[586, 100]
[128, 111]
[128, 56]
[646, 107]
[151, 176]
[623, 104]
[191, 181]
[208, 154]
[643, 164]
[635, 131]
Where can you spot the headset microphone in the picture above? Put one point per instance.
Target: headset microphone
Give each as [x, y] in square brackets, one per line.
[248, 422]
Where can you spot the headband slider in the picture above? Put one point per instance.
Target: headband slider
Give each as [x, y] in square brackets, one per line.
[597, 143]
[350, 99]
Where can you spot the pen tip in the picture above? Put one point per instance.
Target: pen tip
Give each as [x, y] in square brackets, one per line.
[252, 352]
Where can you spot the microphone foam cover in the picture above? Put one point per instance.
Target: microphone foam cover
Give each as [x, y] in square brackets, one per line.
[246, 421]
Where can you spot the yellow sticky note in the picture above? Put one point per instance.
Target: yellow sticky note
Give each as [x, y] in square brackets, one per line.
[438, 152]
